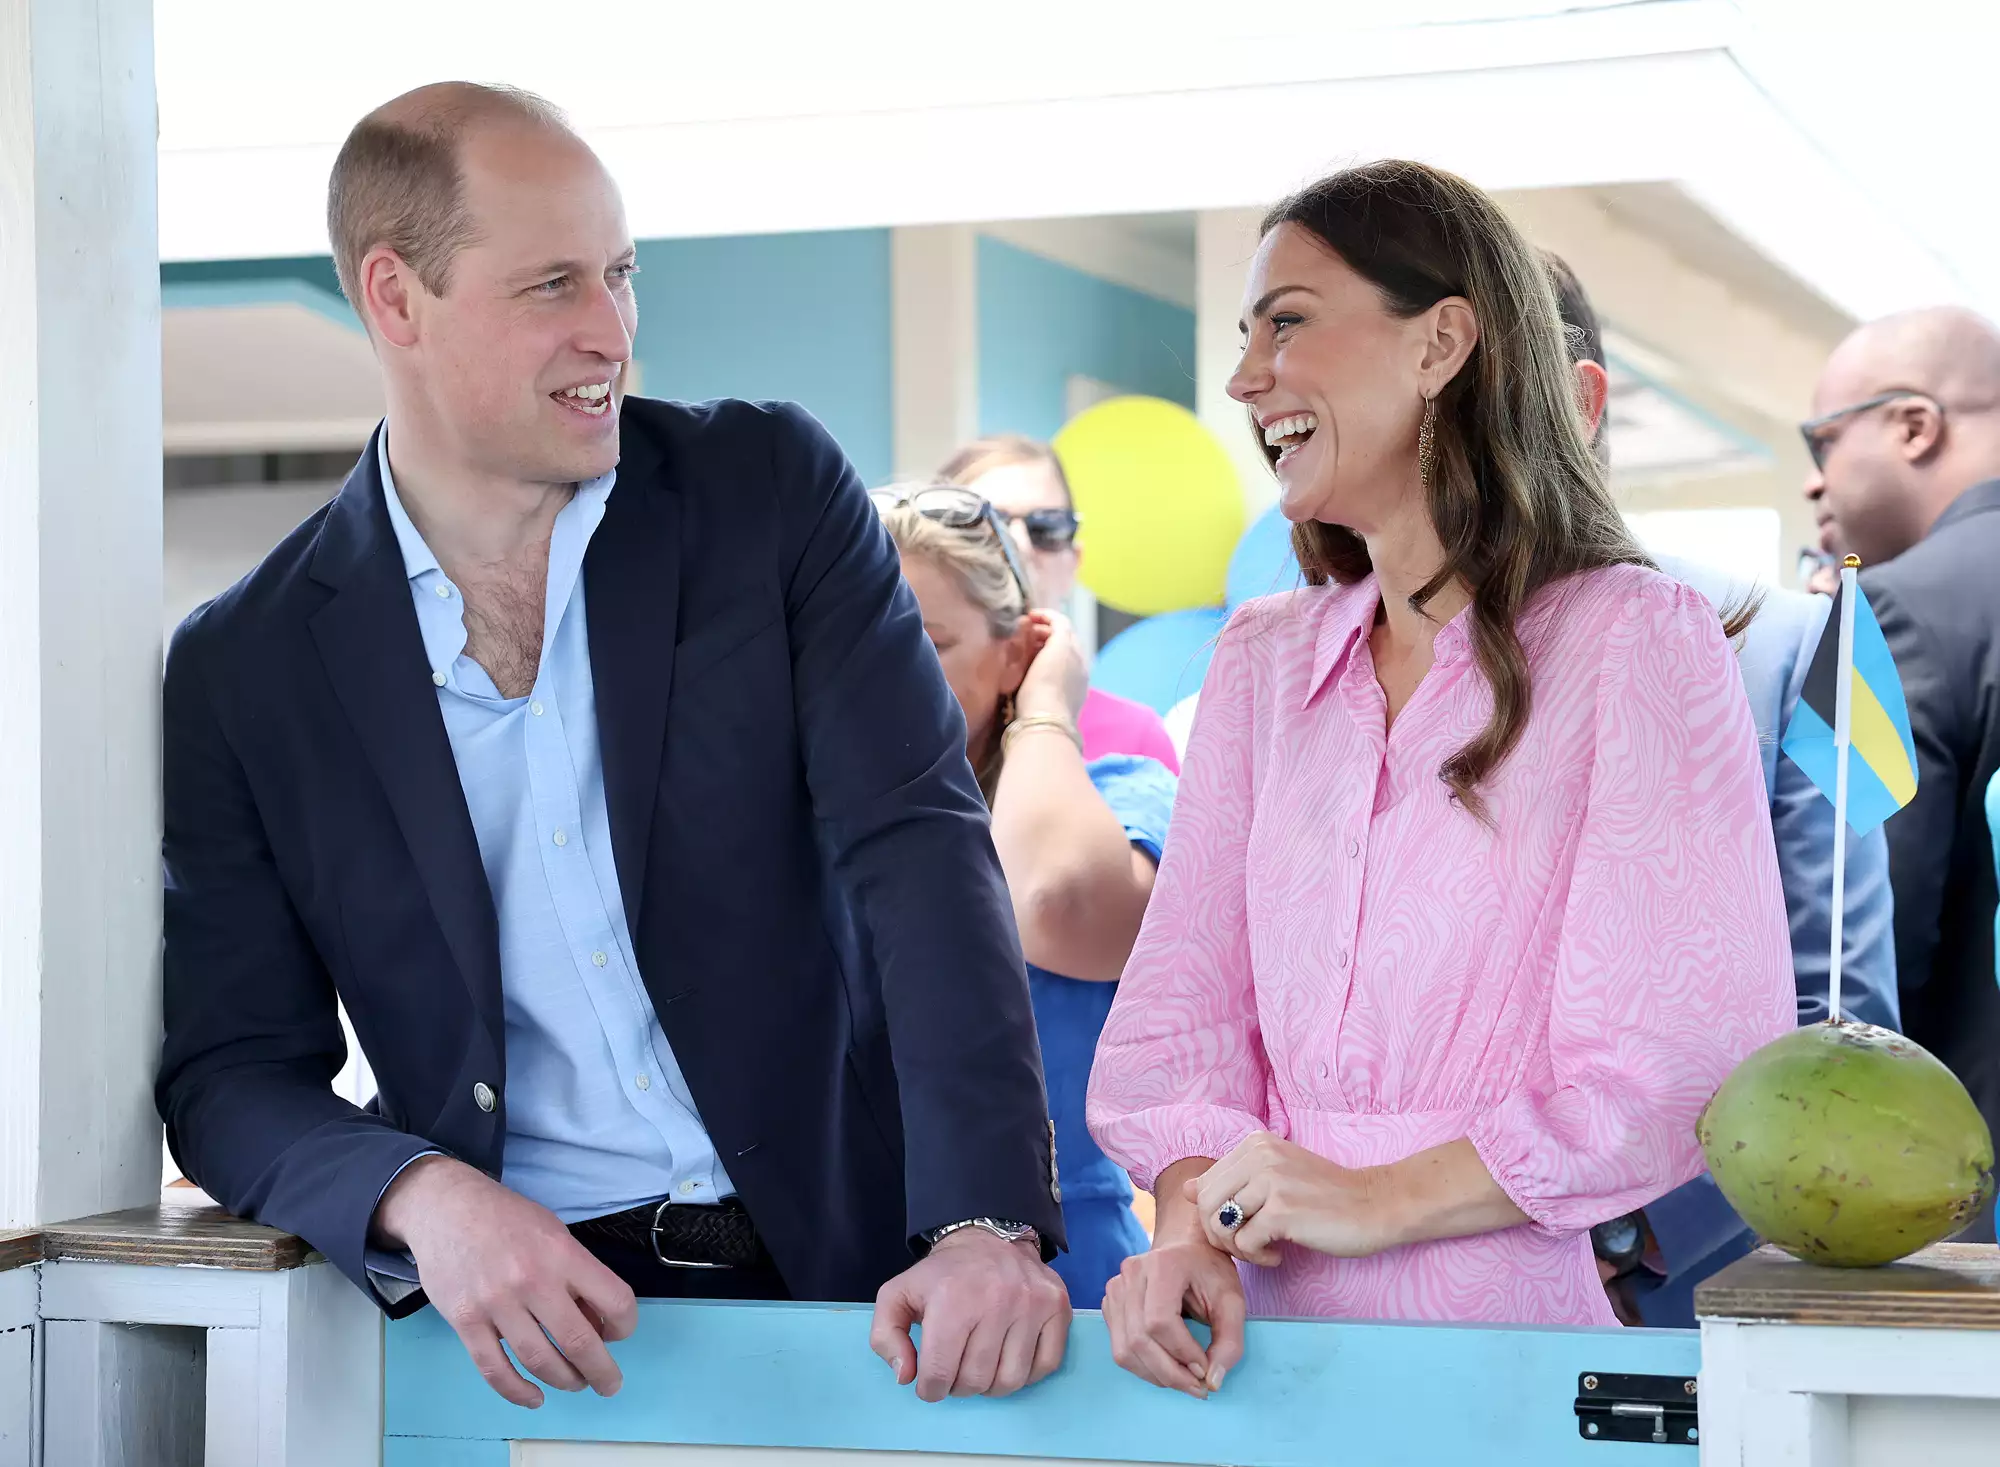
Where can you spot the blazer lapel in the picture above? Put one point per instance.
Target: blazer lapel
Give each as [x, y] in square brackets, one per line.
[631, 588]
[374, 654]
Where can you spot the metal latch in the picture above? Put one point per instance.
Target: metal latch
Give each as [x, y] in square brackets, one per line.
[1637, 1408]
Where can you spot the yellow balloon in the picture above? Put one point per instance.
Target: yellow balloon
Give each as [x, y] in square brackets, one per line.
[1160, 503]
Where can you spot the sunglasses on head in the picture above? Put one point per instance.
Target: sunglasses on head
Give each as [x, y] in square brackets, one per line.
[1048, 529]
[958, 509]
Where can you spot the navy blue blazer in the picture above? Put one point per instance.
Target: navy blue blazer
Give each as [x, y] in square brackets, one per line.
[804, 856]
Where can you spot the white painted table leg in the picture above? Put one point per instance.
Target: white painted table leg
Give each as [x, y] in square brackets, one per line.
[303, 1386]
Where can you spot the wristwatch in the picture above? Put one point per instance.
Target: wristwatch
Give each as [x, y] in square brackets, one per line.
[1005, 1231]
[1619, 1242]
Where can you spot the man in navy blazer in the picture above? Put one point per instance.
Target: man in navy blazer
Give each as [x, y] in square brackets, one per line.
[591, 751]
[1692, 1233]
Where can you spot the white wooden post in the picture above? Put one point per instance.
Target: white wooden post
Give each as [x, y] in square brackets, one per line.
[79, 609]
[934, 310]
[293, 1365]
[1224, 241]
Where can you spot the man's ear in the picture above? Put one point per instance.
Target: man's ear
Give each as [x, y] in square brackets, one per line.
[1919, 428]
[1593, 390]
[388, 288]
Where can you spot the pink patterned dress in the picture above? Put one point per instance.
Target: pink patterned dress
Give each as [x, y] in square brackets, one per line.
[1337, 951]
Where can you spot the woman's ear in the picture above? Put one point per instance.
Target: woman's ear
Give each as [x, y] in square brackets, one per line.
[1016, 653]
[1593, 391]
[1454, 332]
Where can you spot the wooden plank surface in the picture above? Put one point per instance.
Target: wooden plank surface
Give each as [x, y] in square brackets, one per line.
[166, 1235]
[19, 1249]
[1949, 1286]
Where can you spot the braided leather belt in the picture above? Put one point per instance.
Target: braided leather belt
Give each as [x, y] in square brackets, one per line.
[684, 1235]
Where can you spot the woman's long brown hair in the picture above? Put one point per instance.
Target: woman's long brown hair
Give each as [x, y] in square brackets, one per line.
[1517, 498]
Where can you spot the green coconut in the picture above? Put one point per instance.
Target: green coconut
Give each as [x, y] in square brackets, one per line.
[1848, 1145]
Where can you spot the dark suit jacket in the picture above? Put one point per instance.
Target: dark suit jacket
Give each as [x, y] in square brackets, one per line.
[785, 769]
[1939, 606]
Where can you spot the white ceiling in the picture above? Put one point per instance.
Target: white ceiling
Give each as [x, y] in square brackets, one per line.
[801, 115]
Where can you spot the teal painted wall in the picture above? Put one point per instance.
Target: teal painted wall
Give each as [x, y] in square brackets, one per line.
[798, 316]
[314, 270]
[1040, 323]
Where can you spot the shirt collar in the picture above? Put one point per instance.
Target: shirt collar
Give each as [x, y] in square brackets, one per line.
[1350, 613]
[417, 557]
[443, 627]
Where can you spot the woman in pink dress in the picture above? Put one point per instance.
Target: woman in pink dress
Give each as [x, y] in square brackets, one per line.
[1471, 900]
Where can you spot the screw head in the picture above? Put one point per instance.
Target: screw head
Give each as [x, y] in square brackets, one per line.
[1591, 1427]
[1590, 1382]
[1693, 1434]
[1688, 1386]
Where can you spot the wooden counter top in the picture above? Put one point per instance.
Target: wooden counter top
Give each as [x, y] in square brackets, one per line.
[1948, 1286]
[19, 1248]
[166, 1235]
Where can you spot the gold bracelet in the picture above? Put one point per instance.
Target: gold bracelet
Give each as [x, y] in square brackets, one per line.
[1039, 720]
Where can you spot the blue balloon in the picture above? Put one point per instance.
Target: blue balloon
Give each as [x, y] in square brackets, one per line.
[1263, 564]
[1160, 660]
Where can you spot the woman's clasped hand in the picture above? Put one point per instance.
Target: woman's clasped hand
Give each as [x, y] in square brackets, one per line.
[1284, 1193]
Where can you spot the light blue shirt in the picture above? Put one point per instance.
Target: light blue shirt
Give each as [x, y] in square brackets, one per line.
[1776, 653]
[599, 1117]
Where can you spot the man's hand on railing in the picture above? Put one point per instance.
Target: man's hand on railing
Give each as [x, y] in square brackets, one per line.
[995, 1317]
[499, 1267]
[1184, 1276]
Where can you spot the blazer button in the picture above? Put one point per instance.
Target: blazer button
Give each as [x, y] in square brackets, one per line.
[483, 1097]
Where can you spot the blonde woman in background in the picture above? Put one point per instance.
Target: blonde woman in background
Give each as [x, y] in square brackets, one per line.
[1078, 839]
[1024, 482]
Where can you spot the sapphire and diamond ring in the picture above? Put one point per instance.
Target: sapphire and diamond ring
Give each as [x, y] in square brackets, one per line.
[1230, 1215]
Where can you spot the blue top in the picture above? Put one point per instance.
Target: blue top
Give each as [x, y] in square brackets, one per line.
[599, 1118]
[1070, 1013]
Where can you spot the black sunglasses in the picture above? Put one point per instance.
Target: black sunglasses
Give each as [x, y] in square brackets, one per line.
[1819, 442]
[1048, 529]
[958, 509]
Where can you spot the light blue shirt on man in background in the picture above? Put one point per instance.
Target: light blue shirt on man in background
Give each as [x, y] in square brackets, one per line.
[599, 1116]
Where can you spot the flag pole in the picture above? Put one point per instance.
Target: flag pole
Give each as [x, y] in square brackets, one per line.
[1843, 700]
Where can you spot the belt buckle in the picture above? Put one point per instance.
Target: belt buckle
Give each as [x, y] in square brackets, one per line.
[666, 1262]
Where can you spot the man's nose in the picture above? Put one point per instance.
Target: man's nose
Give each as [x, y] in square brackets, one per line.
[603, 331]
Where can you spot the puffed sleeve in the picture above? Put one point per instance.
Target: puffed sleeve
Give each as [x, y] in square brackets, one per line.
[1674, 960]
[1180, 1068]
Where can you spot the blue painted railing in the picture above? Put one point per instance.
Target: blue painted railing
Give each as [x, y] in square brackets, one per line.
[1308, 1394]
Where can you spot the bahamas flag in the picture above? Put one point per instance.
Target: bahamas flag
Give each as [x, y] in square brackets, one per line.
[1882, 756]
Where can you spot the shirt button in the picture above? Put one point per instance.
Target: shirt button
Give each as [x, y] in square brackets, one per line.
[643, 1083]
[1341, 957]
[561, 839]
[444, 593]
[688, 1189]
[536, 707]
[1325, 1072]
[1353, 846]
[483, 1097]
[439, 678]
[598, 960]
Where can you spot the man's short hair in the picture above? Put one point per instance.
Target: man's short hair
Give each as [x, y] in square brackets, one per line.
[1583, 335]
[397, 180]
